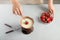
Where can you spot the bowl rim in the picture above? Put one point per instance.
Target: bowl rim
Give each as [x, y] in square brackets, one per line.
[29, 18]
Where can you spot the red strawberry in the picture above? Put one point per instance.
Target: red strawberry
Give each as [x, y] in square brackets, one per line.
[43, 17]
[47, 14]
[49, 20]
[26, 22]
[46, 17]
[43, 20]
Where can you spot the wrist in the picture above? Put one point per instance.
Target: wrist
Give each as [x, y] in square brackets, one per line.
[50, 1]
[15, 2]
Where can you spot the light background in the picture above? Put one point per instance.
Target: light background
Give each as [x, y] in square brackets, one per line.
[41, 31]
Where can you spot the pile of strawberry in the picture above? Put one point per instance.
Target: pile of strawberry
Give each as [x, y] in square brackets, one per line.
[46, 17]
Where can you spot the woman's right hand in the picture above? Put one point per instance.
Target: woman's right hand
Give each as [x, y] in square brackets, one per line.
[51, 6]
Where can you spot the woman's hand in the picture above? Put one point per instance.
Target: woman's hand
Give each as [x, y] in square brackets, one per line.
[51, 6]
[51, 9]
[47, 17]
[17, 8]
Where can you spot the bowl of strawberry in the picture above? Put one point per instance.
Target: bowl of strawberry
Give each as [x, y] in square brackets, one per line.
[46, 17]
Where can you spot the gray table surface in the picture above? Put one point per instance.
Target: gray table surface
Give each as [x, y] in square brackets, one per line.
[41, 31]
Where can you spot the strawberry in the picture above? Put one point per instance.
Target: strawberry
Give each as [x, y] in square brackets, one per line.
[26, 22]
[51, 18]
[48, 20]
[47, 14]
[46, 17]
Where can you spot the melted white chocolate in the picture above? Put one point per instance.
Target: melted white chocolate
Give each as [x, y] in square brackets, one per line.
[29, 25]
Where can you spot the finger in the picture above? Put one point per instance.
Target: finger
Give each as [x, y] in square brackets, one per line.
[51, 13]
[17, 10]
[20, 11]
[14, 11]
[50, 10]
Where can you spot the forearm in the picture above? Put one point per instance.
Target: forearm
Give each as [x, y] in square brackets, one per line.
[15, 1]
[50, 2]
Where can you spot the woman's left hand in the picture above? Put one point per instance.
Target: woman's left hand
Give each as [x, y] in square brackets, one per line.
[17, 9]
